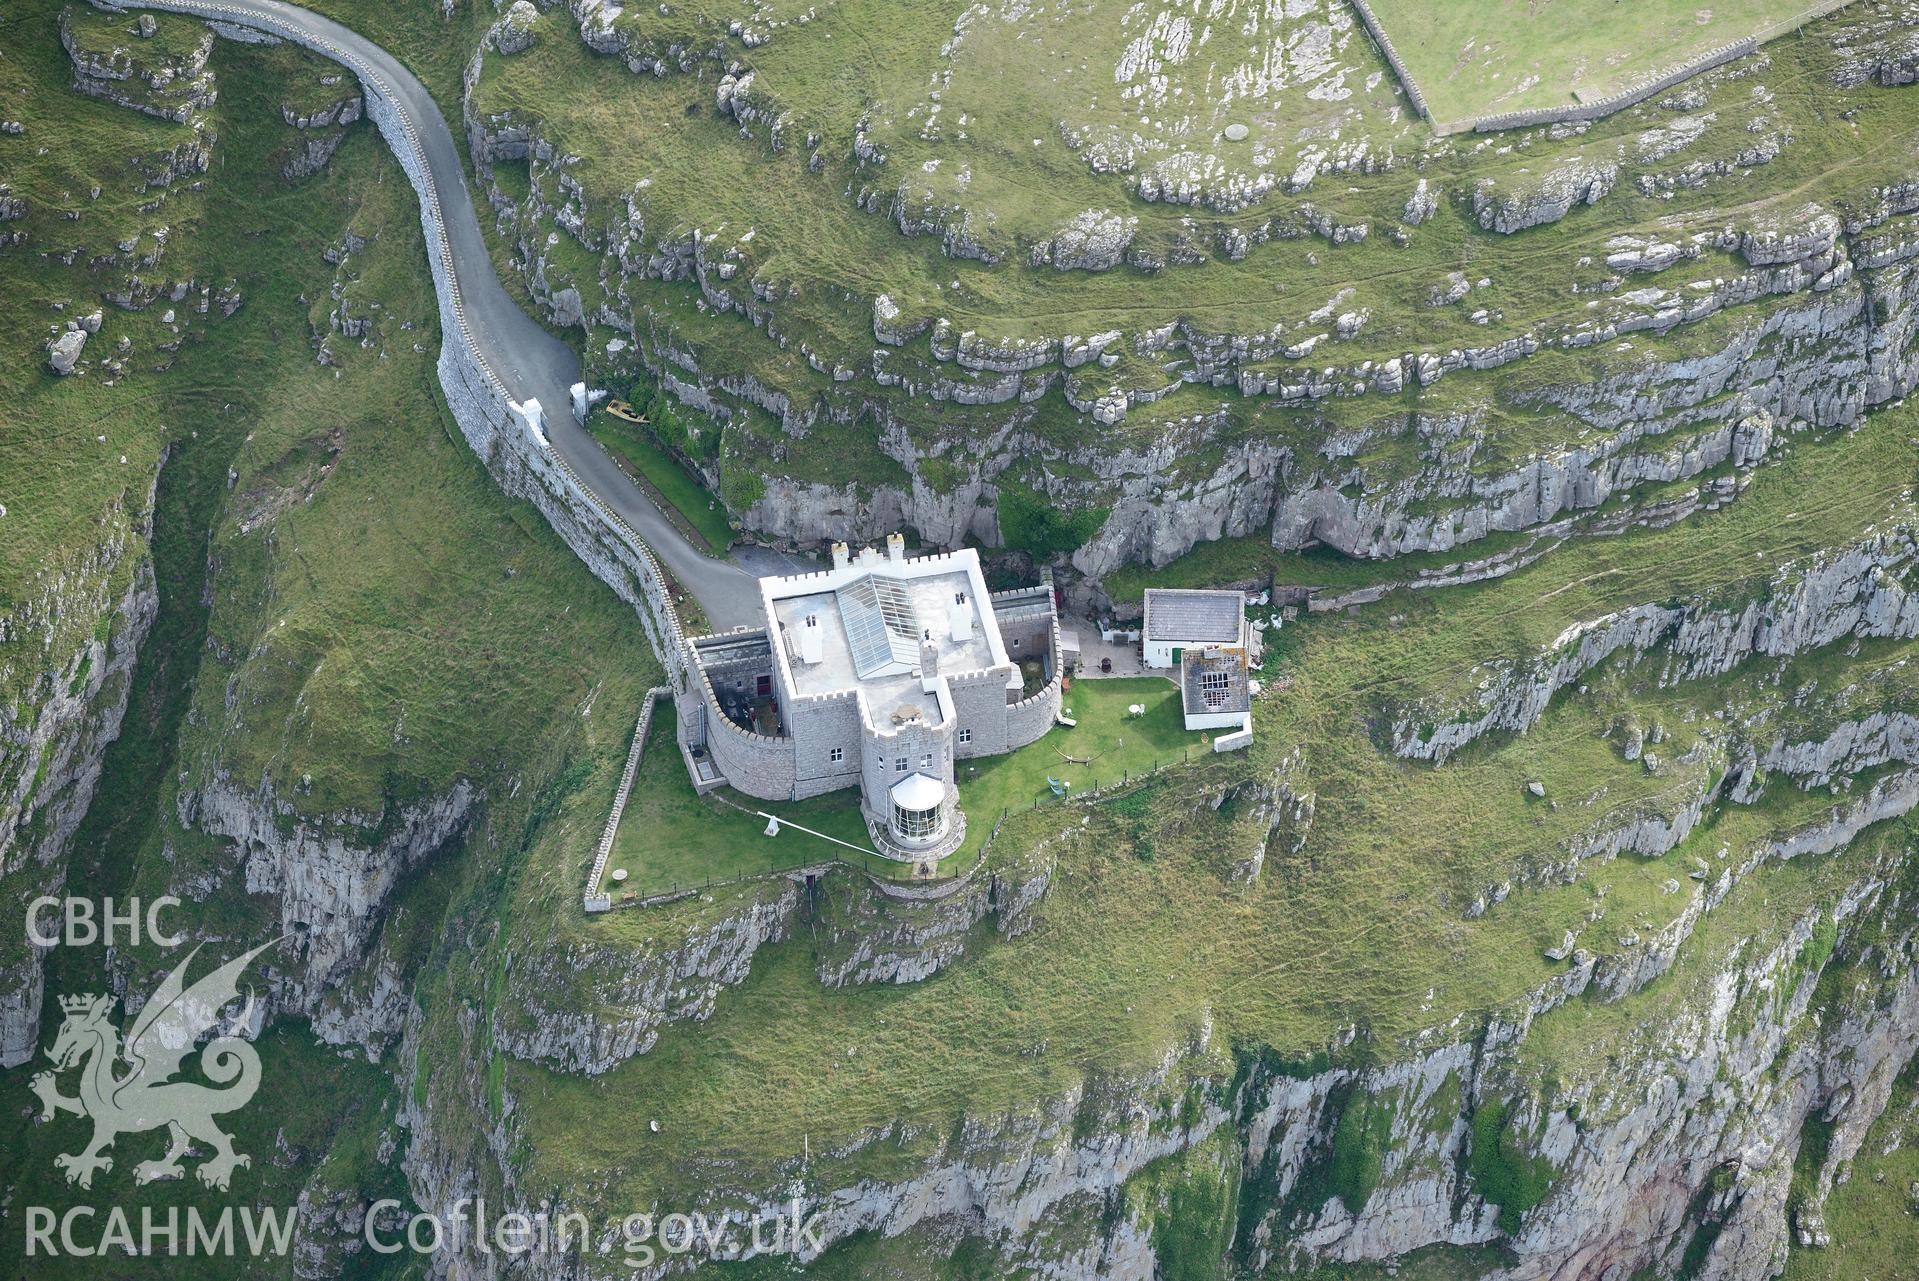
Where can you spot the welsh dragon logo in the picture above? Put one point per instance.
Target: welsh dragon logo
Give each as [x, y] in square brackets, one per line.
[129, 1089]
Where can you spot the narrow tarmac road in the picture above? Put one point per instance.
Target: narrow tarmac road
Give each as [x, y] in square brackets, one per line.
[531, 362]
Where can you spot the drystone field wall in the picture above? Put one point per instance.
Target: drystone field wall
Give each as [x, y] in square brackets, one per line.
[1580, 112]
[1390, 52]
[595, 899]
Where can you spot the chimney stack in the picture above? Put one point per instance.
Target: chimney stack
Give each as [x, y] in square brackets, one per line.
[896, 547]
[840, 556]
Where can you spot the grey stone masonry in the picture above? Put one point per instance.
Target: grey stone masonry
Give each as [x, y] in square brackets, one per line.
[596, 899]
[883, 670]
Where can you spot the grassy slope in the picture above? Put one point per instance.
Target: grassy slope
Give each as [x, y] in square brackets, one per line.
[1870, 1216]
[817, 263]
[1479, 59]
[1142, 933]
[664, 478]
[360, 605]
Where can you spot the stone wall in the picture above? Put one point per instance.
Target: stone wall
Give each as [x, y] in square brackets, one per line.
[1601, 107]
[753, 763]
[595, 899]
[818, 725]
[1028, 719]
[979, 703]
[515, 452]
[1028, 633]
[736, 676]
[1391, 54]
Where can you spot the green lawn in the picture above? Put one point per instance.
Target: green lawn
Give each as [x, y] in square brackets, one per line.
[1480, 59]
[671, 837]
[697, 507]
[1114, 745]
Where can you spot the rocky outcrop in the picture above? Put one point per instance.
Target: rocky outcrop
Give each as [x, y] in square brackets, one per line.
[312, 156]
[874, 939]
[1817, 343]
[513, 33]
[54, 736]
[1516, 204]
[1095, 240]
[582, 1005]
[63, 352]
[172, 87]
[347, 110]
[1277, 809]
[884, 934]
[1855, 591]
[331, 877]
[1807, 349]
[1851, 747]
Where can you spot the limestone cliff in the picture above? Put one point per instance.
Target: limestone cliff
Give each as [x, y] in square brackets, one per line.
[91, 619]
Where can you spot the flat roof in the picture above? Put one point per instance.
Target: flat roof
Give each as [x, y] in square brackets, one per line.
[872, 618]
[1200, 697]
[1195, 617]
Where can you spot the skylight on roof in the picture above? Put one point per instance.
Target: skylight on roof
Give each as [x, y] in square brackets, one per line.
[882, 628]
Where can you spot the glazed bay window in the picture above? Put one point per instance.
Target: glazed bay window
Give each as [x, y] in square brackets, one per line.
[919, 805]
[916, 825]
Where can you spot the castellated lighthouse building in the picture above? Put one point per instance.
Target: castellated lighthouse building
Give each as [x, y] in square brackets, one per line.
[879, 674]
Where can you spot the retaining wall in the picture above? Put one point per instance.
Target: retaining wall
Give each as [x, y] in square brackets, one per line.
[518, 457]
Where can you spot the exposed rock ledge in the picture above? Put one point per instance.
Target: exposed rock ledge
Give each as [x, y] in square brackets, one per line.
[1856, 591]
[1704, 1114]
[53, 739]
[332, 890]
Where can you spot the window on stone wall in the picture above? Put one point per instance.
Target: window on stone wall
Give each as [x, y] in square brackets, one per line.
[966, 736]
[900, 765]
[926, 761]
[837, 755]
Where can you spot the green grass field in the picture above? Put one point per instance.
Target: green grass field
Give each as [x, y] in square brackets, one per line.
[1113, 745]
[1365, 924]
[670, 837]
[1491, 56]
